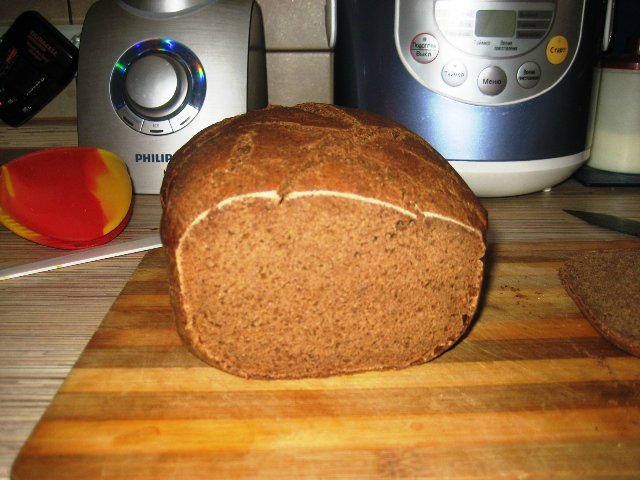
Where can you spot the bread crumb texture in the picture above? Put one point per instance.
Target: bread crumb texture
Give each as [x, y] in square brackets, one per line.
[315, 240]
[605, 285]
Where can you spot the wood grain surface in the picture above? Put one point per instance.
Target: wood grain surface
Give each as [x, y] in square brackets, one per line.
[532, 391]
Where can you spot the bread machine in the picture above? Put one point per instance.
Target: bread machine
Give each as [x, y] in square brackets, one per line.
[151, 74]
[503, 89]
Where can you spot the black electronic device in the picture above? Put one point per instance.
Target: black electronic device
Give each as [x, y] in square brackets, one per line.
[36, 63]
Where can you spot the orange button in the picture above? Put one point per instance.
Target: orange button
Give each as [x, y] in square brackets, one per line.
[557, 49]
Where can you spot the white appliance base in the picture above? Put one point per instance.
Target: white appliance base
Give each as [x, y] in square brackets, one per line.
[510, 178]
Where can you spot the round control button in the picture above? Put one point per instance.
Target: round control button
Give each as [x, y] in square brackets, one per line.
[454, 73]
[424, 48]
[528, 74]
[492, 80]
[156, 85]
[557, 50]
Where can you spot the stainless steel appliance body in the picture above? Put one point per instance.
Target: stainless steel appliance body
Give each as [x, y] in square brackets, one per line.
[502, 89]
[152, 74]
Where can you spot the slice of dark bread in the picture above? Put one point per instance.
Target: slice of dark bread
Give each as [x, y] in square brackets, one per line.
[314, 240]
[605, 285]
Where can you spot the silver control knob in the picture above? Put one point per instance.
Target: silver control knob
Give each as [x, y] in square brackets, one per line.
[156, 85]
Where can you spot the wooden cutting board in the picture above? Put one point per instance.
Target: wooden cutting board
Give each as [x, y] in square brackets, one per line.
[531, 391]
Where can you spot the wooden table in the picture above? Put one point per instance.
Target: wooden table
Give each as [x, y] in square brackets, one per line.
[47, 319]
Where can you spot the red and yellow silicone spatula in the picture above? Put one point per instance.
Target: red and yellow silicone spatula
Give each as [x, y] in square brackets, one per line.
[68, 197]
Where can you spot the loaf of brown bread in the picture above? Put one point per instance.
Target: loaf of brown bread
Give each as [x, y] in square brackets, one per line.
[315, 240]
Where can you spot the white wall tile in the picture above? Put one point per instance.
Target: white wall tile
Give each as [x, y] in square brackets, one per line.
[294, 24]
[296, 77]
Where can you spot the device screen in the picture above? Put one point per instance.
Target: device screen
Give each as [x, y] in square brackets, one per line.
[495, 23]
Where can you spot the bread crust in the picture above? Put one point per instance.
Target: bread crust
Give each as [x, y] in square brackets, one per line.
[305, 148]
[291, 154]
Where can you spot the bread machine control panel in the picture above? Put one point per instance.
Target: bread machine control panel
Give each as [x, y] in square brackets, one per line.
[488, 52]
[158, 86]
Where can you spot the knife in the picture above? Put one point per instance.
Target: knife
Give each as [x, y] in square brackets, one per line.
[611, 222]
[82, 256]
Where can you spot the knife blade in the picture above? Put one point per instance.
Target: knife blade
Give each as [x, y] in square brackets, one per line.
[610, 222]
[82, 256]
